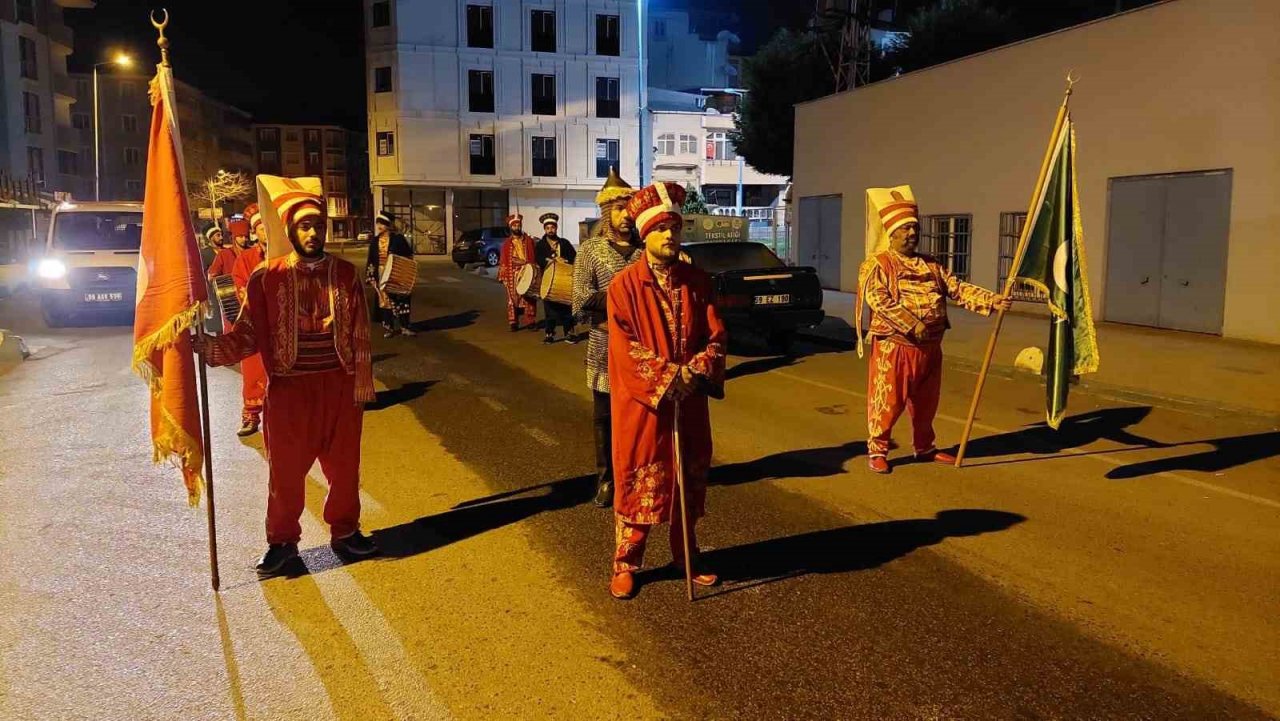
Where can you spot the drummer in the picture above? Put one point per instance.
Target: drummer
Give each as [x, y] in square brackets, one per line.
[552, 248]
[517, 253]
[393, 308]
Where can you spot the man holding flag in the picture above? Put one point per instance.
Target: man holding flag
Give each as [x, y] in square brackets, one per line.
[305, 313]
[907, 293]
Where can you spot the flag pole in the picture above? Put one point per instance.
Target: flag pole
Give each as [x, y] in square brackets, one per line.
[1009, 280]
[205, 435]
[678, 454]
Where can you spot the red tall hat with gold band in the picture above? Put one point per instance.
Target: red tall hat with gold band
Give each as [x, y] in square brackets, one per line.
[887, 210]
[654, 203]
[284, 202]
[253, 215]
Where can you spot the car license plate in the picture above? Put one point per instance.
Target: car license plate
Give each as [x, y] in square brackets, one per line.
[103, 297]
[773, 299]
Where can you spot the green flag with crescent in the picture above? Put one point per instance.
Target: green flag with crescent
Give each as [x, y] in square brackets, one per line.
[1053, 262]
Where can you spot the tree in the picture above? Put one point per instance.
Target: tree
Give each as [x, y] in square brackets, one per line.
[789, 69]
[693, 202]
[220, 188]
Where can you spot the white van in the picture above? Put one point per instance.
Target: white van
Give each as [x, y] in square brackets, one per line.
[90, 263]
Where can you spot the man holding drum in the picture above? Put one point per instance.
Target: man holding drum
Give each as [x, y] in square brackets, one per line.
[393, 308]
[552, 249]
[517, 252]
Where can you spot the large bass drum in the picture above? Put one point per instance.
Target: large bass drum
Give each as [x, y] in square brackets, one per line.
[399, 276]
[228, 299]
[557, 282]
[527, 281]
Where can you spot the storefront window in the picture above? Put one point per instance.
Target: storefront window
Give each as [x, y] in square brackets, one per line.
[420, 214]
[475, 209]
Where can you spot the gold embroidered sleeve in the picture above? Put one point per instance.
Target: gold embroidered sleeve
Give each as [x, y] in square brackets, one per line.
[969, 296]
[882, 303]
[365, 392]
[242, 340]
[656, 372]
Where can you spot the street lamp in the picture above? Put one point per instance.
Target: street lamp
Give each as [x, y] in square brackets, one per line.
[120, 60]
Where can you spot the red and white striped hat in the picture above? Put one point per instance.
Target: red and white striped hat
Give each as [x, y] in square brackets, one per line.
[253, 215]
[284, 202]
[654, 203]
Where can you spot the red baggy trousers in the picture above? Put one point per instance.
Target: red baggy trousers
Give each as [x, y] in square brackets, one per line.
[632, 538]
[253, 387]
[308, 418]
[902, 377]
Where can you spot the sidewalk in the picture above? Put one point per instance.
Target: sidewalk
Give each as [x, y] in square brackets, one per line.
[13, 276]
[1141, 364]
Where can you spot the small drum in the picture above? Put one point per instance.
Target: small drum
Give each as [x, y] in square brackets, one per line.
[228, 299]
[399, 276]
[557, 282]
[527, 281]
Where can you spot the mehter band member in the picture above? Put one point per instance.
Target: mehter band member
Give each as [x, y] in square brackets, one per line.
[610, 249]
[306, 314]
[907, 293]
[393, 308]
[253, 377]
[517, 252]
[550, 248]
[224, 254]
[666, 356]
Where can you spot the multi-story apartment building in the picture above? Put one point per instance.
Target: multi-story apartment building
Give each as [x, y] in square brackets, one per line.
[482, 107]
[681, 57]
[36, 137]
[322, 151]
[215, 136]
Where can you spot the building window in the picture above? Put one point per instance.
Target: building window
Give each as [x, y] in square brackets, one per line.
[292, 160]
[480, 91]
[608, 36]
[946, 238]
[67, 163]
[132, 157]
[482, 155]
[666, 144]
[544, 157]
[27, 58]
[1010, 231]
[129, 123]
[607, 105]
[128, 91]
[82, 89]
[291, 136]
[660, 29]
[312, 137]
[80, 121]
[31, 112]
[720, 148]
[26, 11]
[133, 188]
[542, 31]
[313, 162]
[606, 156]
[35, 163]
[479, 26]
[386, 144]
[544, 94]
[381, 14]
[688, 144]
[333, 140]
[269, 136]
[382, 79]
[269, 161]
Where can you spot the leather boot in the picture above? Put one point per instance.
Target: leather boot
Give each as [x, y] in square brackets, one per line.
[604, 462]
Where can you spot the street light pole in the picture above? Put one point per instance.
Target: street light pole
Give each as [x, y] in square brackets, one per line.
[96, 165]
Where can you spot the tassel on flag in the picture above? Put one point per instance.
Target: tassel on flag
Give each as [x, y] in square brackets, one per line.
[171, 296]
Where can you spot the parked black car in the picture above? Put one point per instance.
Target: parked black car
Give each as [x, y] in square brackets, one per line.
[482, 245]
[756, 290]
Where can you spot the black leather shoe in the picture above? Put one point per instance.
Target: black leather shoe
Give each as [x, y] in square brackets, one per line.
[604, 495]
[248, 427]
[356, 545]
[277, 556]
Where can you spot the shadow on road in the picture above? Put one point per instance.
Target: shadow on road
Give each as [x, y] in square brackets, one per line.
[396, 396]
[446, 322]
[1227, 453]
[759, 365]
[1075, 432]
[851, 548]
[807, 463]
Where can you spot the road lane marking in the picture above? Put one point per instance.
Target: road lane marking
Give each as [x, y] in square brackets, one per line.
[1102, 457]
[448, 279]
[539, 436]
[493, 403]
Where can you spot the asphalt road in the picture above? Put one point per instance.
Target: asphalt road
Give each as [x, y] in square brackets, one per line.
[1124, 567]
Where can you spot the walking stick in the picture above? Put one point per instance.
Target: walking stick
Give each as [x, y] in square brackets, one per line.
[208, 464]
[1008, 285]
[679, 455]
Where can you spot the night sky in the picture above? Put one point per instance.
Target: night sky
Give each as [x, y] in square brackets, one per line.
[283, 61]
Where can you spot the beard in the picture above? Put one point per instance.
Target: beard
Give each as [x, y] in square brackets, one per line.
[302, 251]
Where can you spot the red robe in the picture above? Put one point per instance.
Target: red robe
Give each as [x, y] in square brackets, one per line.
[509, 267]
[642, 365]
[224, 261]
[311, 326]
[253, 373]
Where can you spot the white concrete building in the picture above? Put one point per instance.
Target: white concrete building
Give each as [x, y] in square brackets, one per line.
[481, 107]
[680, 58]
[36, 137]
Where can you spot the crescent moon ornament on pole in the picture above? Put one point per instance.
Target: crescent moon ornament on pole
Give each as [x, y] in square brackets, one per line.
[162, 41]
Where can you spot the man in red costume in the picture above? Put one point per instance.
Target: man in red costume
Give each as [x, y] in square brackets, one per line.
[907, 292]
[517, 252]
[652, 372]
[253, 374]
[224, 255]
[305, 313]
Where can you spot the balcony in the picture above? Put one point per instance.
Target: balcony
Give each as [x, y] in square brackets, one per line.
[61, 35]
[63, 85]
[68, 138]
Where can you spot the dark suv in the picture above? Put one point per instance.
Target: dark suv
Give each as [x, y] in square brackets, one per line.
[482, 245]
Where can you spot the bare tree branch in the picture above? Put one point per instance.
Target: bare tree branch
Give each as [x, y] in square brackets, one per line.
[222, 187]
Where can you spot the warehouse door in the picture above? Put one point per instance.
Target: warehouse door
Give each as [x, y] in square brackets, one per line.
[1167, 250]
[818, 243]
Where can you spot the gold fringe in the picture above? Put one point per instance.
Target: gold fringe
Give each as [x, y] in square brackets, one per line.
[164, 336]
